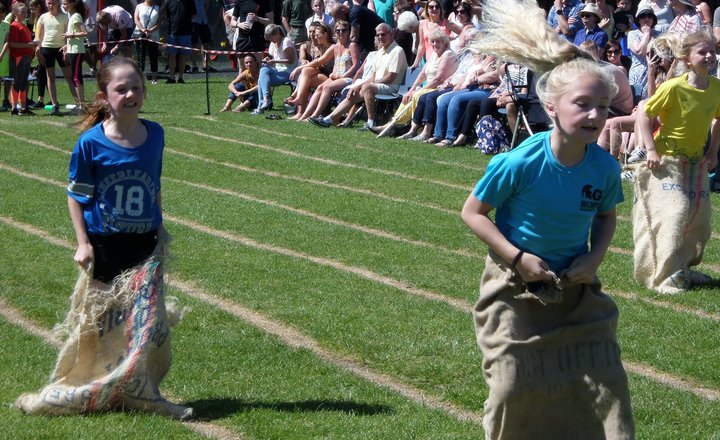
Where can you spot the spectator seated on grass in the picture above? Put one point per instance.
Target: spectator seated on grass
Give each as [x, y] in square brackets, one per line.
[388, 72]
[244, 86]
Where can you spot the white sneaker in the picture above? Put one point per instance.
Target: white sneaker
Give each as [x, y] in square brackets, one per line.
[627, 175]
[638, 155]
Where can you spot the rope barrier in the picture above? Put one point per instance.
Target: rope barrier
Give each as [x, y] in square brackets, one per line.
[203, 52]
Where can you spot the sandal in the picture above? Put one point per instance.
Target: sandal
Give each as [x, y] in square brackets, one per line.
[433, 140]
[445, 143]
[408, 135]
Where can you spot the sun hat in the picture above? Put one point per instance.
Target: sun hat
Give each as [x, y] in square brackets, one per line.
[687, 2]
[647, 12]
[592, 8]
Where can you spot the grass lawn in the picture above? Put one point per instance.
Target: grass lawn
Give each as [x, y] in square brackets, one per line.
[330, 279]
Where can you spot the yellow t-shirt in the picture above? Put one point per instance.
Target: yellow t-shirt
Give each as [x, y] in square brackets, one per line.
[53, 29]
[685, 115]
[75, 45]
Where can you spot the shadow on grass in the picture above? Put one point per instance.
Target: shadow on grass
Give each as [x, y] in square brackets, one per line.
[211, 409]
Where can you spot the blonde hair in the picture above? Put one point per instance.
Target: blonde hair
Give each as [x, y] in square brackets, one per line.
[516, 31]
[679, 45]
[439, 35]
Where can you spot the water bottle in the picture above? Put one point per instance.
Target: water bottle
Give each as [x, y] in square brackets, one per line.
[49, 108]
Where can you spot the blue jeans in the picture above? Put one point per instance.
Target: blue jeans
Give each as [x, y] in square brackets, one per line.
[252, 98]
[451, 107]
[269, 76]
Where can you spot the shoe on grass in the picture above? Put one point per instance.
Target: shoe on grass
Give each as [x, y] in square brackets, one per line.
[320, 122]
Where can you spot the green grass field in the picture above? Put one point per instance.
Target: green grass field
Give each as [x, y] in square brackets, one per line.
[330, 279]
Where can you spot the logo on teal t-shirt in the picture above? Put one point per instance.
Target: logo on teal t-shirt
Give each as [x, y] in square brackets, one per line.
[590, 198]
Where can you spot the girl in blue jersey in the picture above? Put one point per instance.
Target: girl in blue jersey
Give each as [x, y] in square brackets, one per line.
[118, 346]
[114, 180]
[546, 330]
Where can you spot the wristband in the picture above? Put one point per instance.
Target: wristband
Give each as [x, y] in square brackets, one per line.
[516, 260]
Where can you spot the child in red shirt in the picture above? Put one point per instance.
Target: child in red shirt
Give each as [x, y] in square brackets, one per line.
[22, 50]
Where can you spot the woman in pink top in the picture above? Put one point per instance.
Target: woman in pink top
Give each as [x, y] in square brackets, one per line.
[433, 18]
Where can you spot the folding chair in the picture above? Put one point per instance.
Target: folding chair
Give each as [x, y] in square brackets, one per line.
[385, 105]
[531, 113]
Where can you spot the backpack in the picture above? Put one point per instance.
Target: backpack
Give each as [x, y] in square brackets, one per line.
[492, 137]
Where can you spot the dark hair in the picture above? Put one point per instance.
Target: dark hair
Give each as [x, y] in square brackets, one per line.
[3, 9]
[78, 7]
[98, 110]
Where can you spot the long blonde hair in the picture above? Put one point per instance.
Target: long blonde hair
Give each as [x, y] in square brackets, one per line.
[516, 31]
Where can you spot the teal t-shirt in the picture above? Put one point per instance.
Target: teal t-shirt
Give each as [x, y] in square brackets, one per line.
[544, 207]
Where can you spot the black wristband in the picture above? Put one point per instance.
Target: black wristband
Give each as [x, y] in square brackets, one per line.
[516, 260]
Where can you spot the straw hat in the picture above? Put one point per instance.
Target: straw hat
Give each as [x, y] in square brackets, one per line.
[592, 8]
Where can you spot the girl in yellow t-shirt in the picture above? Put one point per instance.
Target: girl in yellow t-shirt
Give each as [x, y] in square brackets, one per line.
[672, 212]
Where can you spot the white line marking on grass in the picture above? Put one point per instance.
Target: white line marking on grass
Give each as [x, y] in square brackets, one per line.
[358, 146]
[324, 160]
[671, 381]
[479, 169]
[296, 339]
[273, 174]
[458, 304]
[359, 271]
[351, 189]
[287, 334]
[637, 368]
[15, 317]
[35, 142]
[330, 220]
[256, 128]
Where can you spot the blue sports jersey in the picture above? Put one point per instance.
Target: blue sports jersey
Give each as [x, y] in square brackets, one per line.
[117, 186]
[544, 207]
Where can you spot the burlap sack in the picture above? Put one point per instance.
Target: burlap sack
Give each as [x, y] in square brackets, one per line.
[117, 349]
[553, 366]
[671, 222]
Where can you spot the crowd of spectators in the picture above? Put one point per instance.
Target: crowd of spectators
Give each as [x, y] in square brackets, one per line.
[340, 55]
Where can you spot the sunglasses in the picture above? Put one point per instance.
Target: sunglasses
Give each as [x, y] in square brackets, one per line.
[433, 7]
[340, 30]
[612, 52]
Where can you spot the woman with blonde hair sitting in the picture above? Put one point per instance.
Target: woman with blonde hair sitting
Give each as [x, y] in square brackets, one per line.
[315, 69]
[435, 72]
[346, 57]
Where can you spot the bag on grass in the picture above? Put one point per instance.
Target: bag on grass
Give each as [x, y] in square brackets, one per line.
[551, 361]
[492, 137]
[671, 222]
[117, 349]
